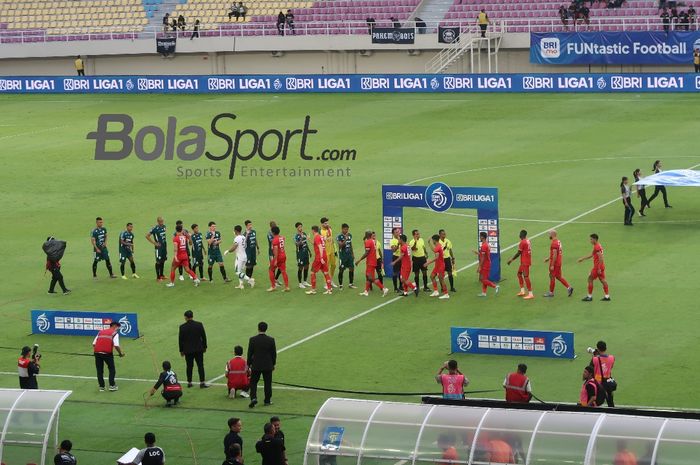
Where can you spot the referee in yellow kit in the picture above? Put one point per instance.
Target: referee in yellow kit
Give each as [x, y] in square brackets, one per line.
[419, 256]
[449, 257]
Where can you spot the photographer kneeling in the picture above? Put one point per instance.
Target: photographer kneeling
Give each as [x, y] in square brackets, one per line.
[28, 367]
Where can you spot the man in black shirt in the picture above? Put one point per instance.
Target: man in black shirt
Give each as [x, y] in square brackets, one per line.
[235, 456]
[193, 344]
[277, 424]
[28, 368]
[270, 449]
[233, 437]
[262, 357]
[666, 20]
[172, 391]
[151, 454]
[64, 457]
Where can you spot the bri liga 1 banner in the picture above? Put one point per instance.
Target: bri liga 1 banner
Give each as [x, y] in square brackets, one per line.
[70, 323]
[489, 341]
[614, 48]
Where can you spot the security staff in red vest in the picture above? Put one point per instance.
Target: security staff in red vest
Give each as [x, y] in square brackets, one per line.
[453, 383]
[517, 386]
[103, 345]
[28, 368]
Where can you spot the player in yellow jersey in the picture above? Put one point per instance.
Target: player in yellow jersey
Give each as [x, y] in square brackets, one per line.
[331, 254]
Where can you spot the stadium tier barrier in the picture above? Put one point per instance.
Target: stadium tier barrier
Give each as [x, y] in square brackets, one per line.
[354, 83]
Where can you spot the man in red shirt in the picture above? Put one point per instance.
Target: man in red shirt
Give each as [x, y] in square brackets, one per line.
[181, 258]
[320, 263]
[439, 268]
[555, 258]
[406, 266]
[525, 254]
[237, 374]
[484, 269]
[371, 264]
[279, 260]
[598, 271]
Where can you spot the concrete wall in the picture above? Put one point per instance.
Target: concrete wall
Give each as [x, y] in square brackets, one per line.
[272, 55]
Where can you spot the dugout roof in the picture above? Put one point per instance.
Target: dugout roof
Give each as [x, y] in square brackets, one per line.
[358, 432]
[29, 421]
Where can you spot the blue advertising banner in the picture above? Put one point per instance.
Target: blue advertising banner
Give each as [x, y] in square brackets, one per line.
[440, 197]
[70, 323]
[355, 83]
[613, 48]
[554, 344]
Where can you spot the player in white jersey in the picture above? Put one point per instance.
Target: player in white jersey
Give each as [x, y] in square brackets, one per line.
[241, 257]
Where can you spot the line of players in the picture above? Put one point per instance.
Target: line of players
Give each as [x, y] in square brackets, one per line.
[406, 257]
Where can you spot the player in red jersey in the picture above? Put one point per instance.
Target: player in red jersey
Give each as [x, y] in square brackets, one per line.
[279, 260]
[181, 258]
[371, 265]
[484, 268]
[439, 268]
[555, 259]
[598, 271]
[406, 266]
[320, 263]
[525, 254]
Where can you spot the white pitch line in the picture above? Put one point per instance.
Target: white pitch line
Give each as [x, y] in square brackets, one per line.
[330, 328]
[137, 380]
[31, 133]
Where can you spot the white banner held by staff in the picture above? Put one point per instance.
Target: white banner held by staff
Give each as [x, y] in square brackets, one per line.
[674, 178]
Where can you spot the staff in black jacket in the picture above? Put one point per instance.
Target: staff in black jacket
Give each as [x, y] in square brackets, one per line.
[262, 357]
[193, 344]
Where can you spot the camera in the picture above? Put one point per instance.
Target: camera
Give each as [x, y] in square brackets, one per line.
[35, 352]
[591, 350]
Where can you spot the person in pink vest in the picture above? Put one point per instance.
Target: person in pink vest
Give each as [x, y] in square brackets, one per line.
[602, 364]
[589, 390]
[453, 382]
[517, 386]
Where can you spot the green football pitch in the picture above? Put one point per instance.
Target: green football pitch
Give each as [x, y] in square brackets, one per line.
[557, 161]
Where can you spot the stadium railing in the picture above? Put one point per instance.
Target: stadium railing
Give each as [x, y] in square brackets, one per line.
[521, 25]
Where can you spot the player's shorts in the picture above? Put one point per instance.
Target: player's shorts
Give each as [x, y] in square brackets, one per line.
[215, 256]
[161, 253]
[316, 266]
[303, 259]
[252, 255]
[484, 274]
[597, 273]
[438, 271]
[448, 264]
[181, 260]
[240, 265]
[405, 273]
[103, 254]
[281, 263]
[556, 272]
[124, 255]
[524, 269]
[197, 258]
[331, 258]
[418, 263]
[370, 271]
[346, 261]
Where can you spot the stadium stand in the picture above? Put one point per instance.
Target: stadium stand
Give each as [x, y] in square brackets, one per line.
[33, 21]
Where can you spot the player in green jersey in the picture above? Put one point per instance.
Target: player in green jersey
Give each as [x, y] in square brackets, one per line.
[126, 250]
[347, 256]
[213, 238]
[198, 251]
[98, 237]
[301, 240]
[159, 239]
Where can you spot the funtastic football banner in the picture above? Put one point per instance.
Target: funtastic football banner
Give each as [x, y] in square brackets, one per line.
[353, 83]
[613, 48]
[554, 344]
[69, 323]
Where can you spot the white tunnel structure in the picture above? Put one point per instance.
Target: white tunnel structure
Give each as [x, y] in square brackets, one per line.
[361, 432]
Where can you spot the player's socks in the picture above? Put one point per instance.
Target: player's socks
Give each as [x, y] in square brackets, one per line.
[367, 286]
[521, 281]
[379, 284]
[340, 276]
[94, 269]
[434, 286]
[109, 267]
[133, 268]
[172, 276]
[223, 272]
[273, 281]
[313, 281]
[121, 268]
[590, 289]
[452, 280]
[180, 270]
[157, 271]
[285, 278]
[483, 288]
[192, 274]
[351, 276]
[209, 272]
[306, 274]
[278, 273]
[395, 280]
[605, 289]
[551, 285]
[299, 270]
[528, 284]
[564, 282]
